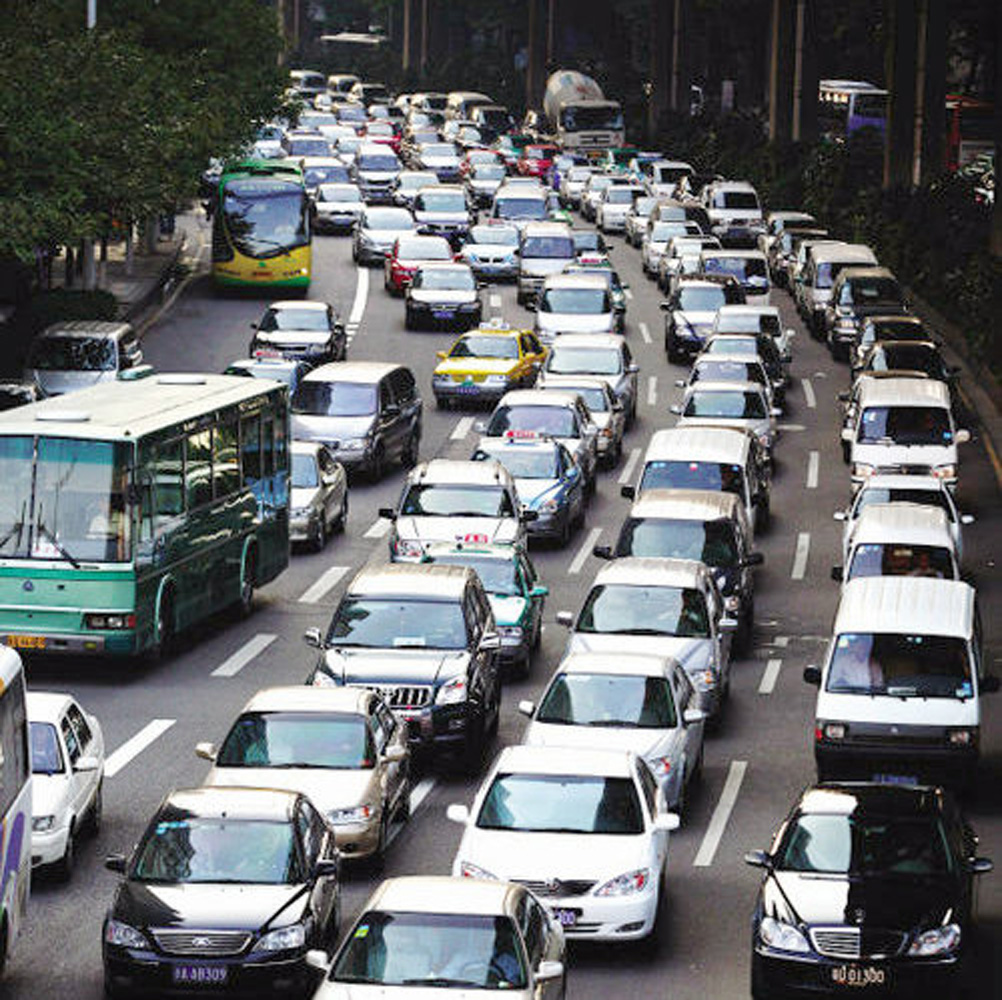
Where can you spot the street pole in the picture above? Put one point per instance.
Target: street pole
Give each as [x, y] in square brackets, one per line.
[89, 269]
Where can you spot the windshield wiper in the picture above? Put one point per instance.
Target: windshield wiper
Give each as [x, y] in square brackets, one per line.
[58, 545]
[442, 981]
[16, 527]
[641, 631]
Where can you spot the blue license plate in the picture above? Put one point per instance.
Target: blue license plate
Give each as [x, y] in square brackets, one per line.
[199, 975]
[443, 313]
[896, 779]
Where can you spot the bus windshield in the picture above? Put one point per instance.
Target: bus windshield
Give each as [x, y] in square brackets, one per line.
[64, 499]
[266, 216]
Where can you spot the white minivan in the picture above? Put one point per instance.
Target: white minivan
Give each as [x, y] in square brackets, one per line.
[899, 693]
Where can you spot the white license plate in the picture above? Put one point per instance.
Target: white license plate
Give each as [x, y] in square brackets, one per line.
[861, 976]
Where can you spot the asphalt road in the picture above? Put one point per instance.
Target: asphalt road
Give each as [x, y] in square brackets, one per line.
[761, 751]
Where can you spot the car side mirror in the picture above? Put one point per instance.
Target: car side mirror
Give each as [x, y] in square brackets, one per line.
[967, 519]
[843, 397]
[527, 516]
[680, 383]
[86, 764]
[548, 970]
[327, 868]
[602, 552]
[313, 638]
[456, 812]
[565, 618]
[727, 624]
[527, 708]
[480, 426]
[758, 859]
[840, 515]
[838, 574]
[812, 675]
[775, 412]
[388, 512]
[628, 492]
[989, 684]
[962, 436]
[253, 326]
[317, 959]
[115, 863]
[441, 355]
[981, 866]
[692, 716]
[395, 754]
[666, 822]
[675, 408]
[847, 434]
[664, 306]
[753, 559]
[489, 641]
[539, 591]
[632, 369]
[207, 751]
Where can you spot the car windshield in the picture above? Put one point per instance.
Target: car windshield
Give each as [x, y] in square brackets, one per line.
[388, 218]
[452, 279]
[502, 236]
[722, 477]
[710, 370]
[903, 494]
[524, 463]
[557, 421]
[575, 301]
[662, 232]
[613, 700]
[900, 665]
[736, 200]
[81, 354]
[398, 623]
[584, 361]
[378, 162]
[314, 176]
[872, 845]
[711, 542]
[313, 320]
[618, 195]
[726, 404]
[298, 740]
[489, 172]
[439, 149]
[894, 330]
[334, 399]
[309, 147]
[748, 322]
[46, 754]
[745, 269]
[304, 471]
[594, 396]
[485, 347]
[909, 357]
[191, 850]
[497, 575]
[871, 292]
[440, 201]
[339, 192]
[876, 559]
[732, 344]
[471, 950]
[528, 209]
[633, 609]
[548, 247]
[424, 248]
[576, 117]
[559, 803]
[456, 500]
[413, 182]
[700, 298]
[905, 425]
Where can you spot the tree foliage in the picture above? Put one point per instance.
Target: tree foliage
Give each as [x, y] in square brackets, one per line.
[117, 123]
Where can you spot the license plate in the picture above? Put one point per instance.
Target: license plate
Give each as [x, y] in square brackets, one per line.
[858, 975]
[566, 918]
[896, 779]
[442, 314]
[467, 387]
[26, 641]
[199, 975]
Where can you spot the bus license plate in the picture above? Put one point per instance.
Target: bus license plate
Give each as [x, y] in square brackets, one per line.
[862, 976]
[199, 975]
[566, 918]
[26, 641]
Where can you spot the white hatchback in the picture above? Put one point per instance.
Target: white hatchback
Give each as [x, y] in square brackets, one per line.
[585, 830]
[67, 764]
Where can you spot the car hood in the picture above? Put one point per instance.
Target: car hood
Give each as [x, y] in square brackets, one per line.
[339, 207]
[531, 490]
[540, 267]
[693, 654]
[445, 161]
[362, 991]
[612, 381]
[508, 608]
[575, 322]
[327, 788]
[423, 215]
[458, 529]
[314, 428]
[282, 338]
[488, 251]
[476, 366]
[641, 741]
[394, 666]
[758, 425]
[208, 907]
[891, 902]
[385, 237]
[446, 296]
[693, 317]
[48, 795]
[377, 176]
[55, 383]
[303, 496]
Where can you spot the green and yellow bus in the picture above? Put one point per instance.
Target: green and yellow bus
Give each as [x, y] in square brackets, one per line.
[131, 510]
[261, 229]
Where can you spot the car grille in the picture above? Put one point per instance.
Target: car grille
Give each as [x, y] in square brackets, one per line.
[460, 379]
[837, 942]
[557, 887]
[202, 943]
[405, 695]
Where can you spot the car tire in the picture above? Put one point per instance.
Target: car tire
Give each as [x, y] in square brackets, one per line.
[63, 868]
[378, 857]
[564, 538]
[248, 583]
[408, 319]
[377, 463]
[165, 636]
[96, 811]
[342, 518]
[474, 747]
[442, 403]
[319, 540]
[410, 455]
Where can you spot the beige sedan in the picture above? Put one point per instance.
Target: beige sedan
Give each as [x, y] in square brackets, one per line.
[319, 501]
[340, 746]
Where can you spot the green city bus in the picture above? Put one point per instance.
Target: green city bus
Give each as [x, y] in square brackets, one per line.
[131, 510]
[261, 229]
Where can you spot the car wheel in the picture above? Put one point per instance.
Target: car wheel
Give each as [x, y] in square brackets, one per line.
[248, 581]
[474, 747]
[378, 857]
[404, 805]
[376, 463]
[764, 517]
[442, 403]
[409, 456]
[63, 868]
[846, 452]
[408, 319]
[96, 810]
[564, 538]
[319, 539]
[342, 517]
[164, 637]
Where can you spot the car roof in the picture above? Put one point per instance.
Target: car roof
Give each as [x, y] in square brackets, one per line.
[546, 228]
[496, 551]
[732, 254]
[303, 698]
[576, 279]
[904, 391]
[462, 472]
[537, 397]
[522, 759]
[919, 524]
[906, 604]
[903, 480]
[731, 185]
[847, 252]
[608, 340]
[230, 803]
[351, 371]
[405, 579]
[724, 385]
[85, 328]
[299, 304]
[641, 571]
[628, 664]
[699, 444]
[865, 271]
[445, 894]
[688, 505]
[47, 706]
[864, 798]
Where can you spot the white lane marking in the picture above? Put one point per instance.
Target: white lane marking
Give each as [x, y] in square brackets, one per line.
[769, 677]
[328, 579]
[495, 300]
[652, 391]
[645, 333]
[134, 746]
[791, 427]
[582, 553]
[419, 793]
[628, 293]
[232, 665]
[378, 530]
[782, 641]
[718, 821]
[800, 556]
[361, 295]
[631, 463]
[461, 429]
[812, 401]
[813, 467]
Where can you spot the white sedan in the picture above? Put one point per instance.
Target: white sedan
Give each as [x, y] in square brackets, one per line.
[67, 764]
[585, 830]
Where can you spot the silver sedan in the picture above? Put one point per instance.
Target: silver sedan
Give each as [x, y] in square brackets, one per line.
[319, 502]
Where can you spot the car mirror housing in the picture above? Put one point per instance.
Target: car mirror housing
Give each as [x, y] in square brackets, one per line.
[115, 863]
[327, 868]
[548, 970]
[456, 812]
[388, 512]
[812, 675]
[667, 821]
[692, 716]
[489, 641]
[207, 751]
[394, 755]
[527, 707]
[758, 859]
[602, 552]
[313, 638]
[317, 959]
[565, 618]
[86, 764]
[838, 573]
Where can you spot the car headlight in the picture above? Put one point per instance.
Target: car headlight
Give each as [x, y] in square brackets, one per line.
[283, 938]
[732, 603]
[41, 824]
[550, 506]
[832, 731]
[469, 870]
[300, 511]
[862, 470]
[626, 884]
[123, 935]
[782, 936]
[440, 377]
[765, 439]
[452, 692]
[496, 380]
[365, 239]
[705, 680]
[945, 471]
[661, 766]
[353, 444]
[963, 737]
[510, 631]
[937, 941]
[356, 814]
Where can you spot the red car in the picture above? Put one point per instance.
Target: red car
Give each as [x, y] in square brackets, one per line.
[536, 159]
[385, 132]
[407, 255]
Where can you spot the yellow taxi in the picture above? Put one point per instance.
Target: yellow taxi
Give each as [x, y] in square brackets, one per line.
[485, 363]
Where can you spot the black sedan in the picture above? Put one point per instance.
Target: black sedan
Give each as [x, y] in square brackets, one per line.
[868, 890]
[227, 891]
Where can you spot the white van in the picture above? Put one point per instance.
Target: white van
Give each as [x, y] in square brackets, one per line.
[899, 696]
[823, 266]
[904, 425]
[900, 539]
[723, 459]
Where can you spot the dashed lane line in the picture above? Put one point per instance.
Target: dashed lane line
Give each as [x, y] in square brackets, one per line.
[253, 647]
[803, 550]
[809, 396]
[631, 463]
[419, 793]
[645, 333]
[652, 391]
[462, 428]
[813, 467]
[361, 296]
[582, 553]
[494, 300]
[328, 579]
[769, 677]
[135, 745]
[718, 821]
[380, 529]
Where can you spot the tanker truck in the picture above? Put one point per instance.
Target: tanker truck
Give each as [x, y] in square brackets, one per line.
[578, 115]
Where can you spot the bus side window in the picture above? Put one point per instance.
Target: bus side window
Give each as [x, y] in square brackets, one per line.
[250, 439]
[13, 751]
[225, 460]
[168, 480]
[198, 468]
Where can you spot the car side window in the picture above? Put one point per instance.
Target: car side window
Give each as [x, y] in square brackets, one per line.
[70, 739]
[308, 836]
[532, 924]
[80, 726]
[386, 719]
[385, 396]
[649, 787]
[377, 731]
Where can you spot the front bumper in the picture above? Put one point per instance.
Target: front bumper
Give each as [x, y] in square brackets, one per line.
[606, 918]
[436, 727]
[470, 392]
[303, 527]
[49, 847]
[333, 223]
[549, 524]
[870, 761]
[432, 314]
